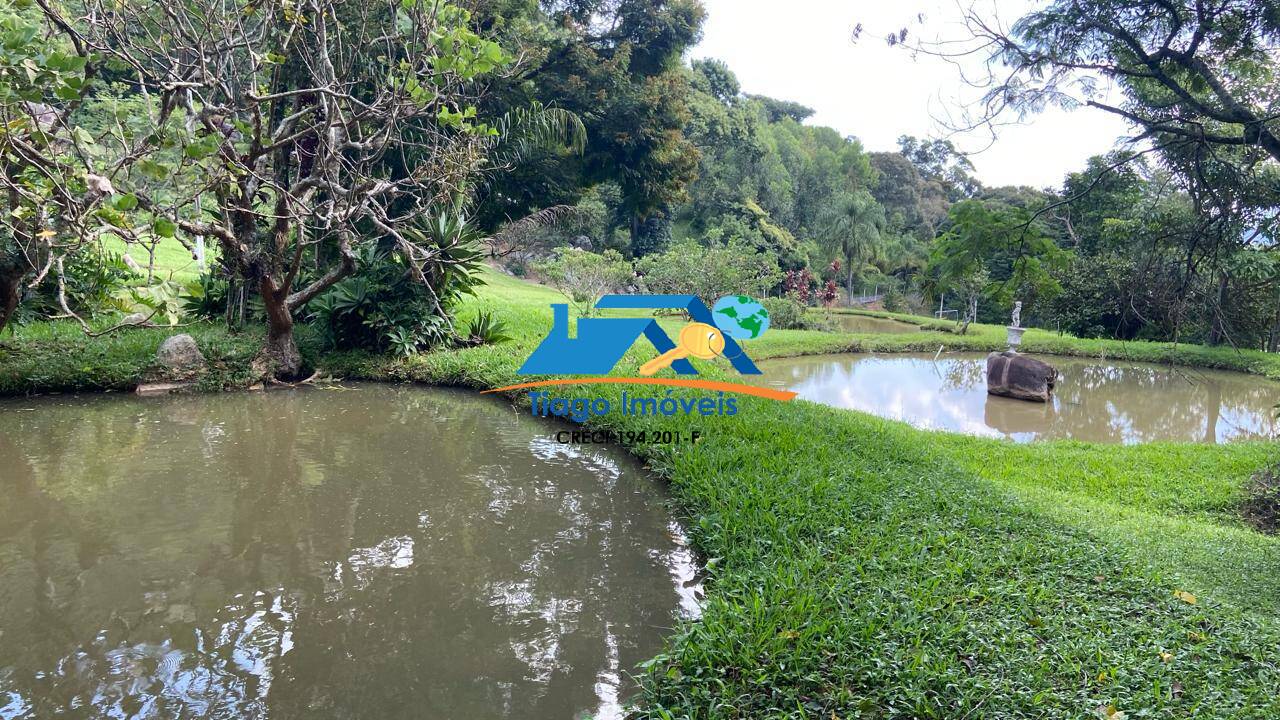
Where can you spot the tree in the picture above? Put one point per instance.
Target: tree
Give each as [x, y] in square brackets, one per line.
[1201, 72]
[48, 175]
[1196, 82]
[716, 79]
[288, 112]
[584, 277]
[1153, 258]
[778, 110]
[853, 233]
[938, 160]
[1002, 245]
[616, 64]
[710, 272]
[1197, 78]
[898, 187]
[969, 284]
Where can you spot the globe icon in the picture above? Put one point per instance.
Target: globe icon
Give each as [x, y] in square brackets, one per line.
[740, 317]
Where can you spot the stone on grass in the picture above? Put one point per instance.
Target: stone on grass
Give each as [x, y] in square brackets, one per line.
[180, 354]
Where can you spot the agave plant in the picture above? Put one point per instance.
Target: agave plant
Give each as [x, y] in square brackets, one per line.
[485, 329]
[401, 296]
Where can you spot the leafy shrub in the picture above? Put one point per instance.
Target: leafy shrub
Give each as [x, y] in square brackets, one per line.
[163, 301]
[785, 313]
[894, 300]
[800, 285]
[711, 272]
[1261, 507]
[206, 297]
[91, 279]
[829, 294]
[585, 276]
[385, 307]
[382, 309]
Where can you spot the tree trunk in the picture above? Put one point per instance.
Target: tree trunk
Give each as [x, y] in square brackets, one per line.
[10, 291]
[235, 310]
[970, 314]
[1217, 331]
[279, 357]
[1273, 342]
[849, 283]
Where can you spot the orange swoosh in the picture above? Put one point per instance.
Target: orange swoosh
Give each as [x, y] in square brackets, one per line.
[782, 395]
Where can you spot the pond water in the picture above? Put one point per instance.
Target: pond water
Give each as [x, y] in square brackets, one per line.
[372, 552]
[868, 324]
[1109, 402]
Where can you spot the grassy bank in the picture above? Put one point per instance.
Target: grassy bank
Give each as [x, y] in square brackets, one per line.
[863, 568]
[982, 337]
[58, 357]
[867, 569]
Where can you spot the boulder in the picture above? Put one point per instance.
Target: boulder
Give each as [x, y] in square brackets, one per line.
[180, 355]
[1018, 376]
[134, 319]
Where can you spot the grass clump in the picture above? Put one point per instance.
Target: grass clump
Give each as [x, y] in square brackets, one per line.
[1261, 506]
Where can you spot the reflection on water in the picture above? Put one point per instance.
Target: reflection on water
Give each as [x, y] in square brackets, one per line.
[868, 324]
[1112, 402]
[378, 552]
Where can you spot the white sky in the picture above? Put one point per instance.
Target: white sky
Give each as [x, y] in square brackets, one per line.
[802, 50]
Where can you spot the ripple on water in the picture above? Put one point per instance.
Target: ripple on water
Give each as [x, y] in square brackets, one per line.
[381, 552]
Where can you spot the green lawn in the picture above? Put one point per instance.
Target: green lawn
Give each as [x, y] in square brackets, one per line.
[992, 337]
[172, 259]
[57, 356]
[860, 568]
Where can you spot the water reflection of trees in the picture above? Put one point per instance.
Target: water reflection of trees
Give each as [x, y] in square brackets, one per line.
[1138, 403]
[1096, 401]
[403, 552]
[963, 374]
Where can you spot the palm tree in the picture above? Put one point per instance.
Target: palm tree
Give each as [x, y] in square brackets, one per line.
[524, 132]
[853, 233]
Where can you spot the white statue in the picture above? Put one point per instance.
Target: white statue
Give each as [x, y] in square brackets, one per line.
[1017, 314]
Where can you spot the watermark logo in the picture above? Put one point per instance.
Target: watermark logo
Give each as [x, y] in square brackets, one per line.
[599, 343]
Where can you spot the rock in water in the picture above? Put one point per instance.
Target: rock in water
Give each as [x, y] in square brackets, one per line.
[1018, 376]
[180, 355]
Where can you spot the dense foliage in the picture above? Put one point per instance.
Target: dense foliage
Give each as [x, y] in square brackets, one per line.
[602, 138]
[1161, 244]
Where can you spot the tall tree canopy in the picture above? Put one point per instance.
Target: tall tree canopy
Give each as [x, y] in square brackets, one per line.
[616, 64]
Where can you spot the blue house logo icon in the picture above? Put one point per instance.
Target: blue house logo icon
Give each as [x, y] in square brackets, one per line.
[601, 342]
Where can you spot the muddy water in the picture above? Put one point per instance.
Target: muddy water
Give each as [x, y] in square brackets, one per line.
[1110, 402]
[868, 324]
[375, 552]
